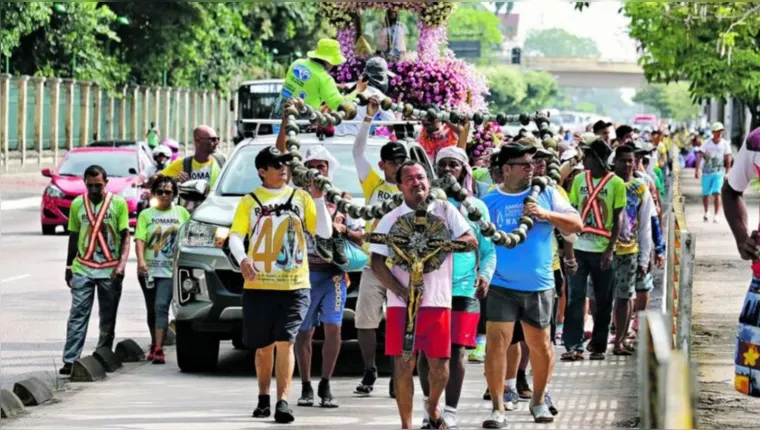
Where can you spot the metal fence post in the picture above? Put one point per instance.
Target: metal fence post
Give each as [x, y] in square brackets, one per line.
[84, 113]
[204, 111]
[157, 111]
[645, 415]
[212, 110]
[146, 115]
[55, 103]
[688, 248]
[185, 116]
[110, 117]
[123, 113]
[135, 111]
[97, 114]
[39, 115]
[175, 94]
[22, 106]
[5, 93]
[69, 121]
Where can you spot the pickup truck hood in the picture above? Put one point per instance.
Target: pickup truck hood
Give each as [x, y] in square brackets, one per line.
[220, 210]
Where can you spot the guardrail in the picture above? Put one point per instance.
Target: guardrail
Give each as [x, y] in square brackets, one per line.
[667, 380]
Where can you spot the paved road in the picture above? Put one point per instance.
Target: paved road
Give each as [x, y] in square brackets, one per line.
[33, 310]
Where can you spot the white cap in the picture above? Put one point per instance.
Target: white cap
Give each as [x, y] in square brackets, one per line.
[319, 152]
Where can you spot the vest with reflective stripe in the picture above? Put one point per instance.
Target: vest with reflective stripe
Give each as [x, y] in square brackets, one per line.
[96, 236]
[592, 204]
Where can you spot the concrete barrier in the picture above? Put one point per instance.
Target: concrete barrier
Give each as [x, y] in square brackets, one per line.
[87, 369]
[10, 404]
[32, 391]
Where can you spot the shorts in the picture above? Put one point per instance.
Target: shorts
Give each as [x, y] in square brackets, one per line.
[645, 285]
[626, 270]
[433, 332]
[712, 183]
[530, 307]
[328, 299]
[273, 316]
[518, 335]
[465, 315]
[369, 305]
[746, 365]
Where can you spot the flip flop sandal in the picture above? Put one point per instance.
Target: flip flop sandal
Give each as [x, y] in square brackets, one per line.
[440, 424]
[262, 412]
[620, 352]
[328, 403]
[597, 356]
[306, 402]
[568, 356]
[541, 414]
[363, 390]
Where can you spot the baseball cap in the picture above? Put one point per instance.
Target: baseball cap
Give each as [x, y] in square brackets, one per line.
[511, 151]
[718, 126]
[271, 155]
[601, 125]
[599, 148]
[533, 142]
[641, 147]
[393, 151]
[377, 73]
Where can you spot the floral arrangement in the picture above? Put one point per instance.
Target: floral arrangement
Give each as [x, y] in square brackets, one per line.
[430, 13]
[346, 37]
[486, 137]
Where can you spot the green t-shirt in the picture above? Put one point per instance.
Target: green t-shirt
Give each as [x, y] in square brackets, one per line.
[310, 81]
[611, 197]
[158, 230]
[660, 181]
[116, 220]
[481, 174]
[153, 139]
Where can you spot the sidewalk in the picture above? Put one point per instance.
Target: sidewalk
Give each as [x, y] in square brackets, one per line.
[721, 280]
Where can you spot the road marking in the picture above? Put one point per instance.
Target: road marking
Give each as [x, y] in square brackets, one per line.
[15, 278]
[10, 205]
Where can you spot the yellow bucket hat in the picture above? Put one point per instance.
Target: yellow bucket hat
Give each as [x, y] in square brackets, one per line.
[328, 50]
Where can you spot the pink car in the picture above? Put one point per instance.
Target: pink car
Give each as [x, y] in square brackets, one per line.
[123, 166]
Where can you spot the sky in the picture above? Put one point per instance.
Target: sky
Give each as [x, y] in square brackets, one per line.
[600, 22]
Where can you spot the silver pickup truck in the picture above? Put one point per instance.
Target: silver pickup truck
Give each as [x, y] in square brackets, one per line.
[207, 281]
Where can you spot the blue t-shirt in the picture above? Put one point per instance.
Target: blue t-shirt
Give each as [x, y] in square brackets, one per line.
[464, 273]
[527, 267]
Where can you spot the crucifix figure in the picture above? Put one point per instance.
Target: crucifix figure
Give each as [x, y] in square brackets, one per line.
[418, 242]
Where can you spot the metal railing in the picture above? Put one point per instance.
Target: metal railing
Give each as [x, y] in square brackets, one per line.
[667, 379]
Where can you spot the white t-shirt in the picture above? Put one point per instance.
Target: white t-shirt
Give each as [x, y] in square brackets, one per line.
[714, 156]
[438, 284]
[361, 113]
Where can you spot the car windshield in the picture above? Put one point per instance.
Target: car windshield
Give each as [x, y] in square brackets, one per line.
[115, 163]
[241, 177]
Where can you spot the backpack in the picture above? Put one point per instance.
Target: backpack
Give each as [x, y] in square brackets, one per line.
[187, 163]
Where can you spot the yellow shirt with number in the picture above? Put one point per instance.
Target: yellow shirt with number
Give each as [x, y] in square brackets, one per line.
[208, 171]
[277, 243]
[376, 190]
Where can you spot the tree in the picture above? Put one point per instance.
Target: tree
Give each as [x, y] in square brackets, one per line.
[556, 42]
[515, 91]
[476, 24]
[18, 19]
[713, 46]
[670, 100]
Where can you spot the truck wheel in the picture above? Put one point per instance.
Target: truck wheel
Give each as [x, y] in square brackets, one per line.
[196, 351]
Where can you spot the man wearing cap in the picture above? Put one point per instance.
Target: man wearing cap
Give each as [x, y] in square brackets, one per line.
[276, 293]
[523, 285]
[372, 292]
[373, 82]
[600, 196]
[603, 130]
[328, 291]
[471, 276]
[712, 158]
[309, 78]
[745, 171]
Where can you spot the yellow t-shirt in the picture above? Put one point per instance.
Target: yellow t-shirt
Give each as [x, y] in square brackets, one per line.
[376, 190]
[208, 171]
[277, 243]
[555, 263]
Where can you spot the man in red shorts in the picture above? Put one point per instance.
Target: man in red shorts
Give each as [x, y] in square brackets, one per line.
[433, 327]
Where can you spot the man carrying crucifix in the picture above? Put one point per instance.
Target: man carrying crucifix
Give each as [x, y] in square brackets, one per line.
[431, 321]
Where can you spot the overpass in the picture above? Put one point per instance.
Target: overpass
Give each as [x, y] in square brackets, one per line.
[588, 73]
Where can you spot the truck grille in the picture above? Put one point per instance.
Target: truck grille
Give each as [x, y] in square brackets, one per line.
[232, 281]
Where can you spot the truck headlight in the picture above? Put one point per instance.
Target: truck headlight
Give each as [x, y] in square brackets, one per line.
[198, 234]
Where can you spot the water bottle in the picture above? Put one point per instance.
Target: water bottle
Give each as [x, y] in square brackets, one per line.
[150, 283]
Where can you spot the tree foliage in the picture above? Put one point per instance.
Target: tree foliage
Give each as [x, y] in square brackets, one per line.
[476, 24]
[670, 100]
[17, 19]
[712, 45]
[515, 91]
[557, 42]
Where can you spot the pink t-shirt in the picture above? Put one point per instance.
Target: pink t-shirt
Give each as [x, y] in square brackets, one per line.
[745, 169]
[438, 284]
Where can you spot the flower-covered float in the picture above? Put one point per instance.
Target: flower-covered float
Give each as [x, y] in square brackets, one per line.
[431, 76]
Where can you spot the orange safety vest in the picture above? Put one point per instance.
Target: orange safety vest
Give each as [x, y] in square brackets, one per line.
[96, 236]
[593, 204]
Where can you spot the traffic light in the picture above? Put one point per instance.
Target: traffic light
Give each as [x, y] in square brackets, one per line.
[516, 54]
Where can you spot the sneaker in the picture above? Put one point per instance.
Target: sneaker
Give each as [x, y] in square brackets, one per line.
[497, 420]
[541, 414]
[151, 353]
[450, 418]
[478, 355]
[511, 398]
[263, 409]
[339, 250]
[325, 395]
[523, 388]
[716, 219]
[158, 356]
[66, 369]
[364, 389]
[548, 402]
[307, 395]
[705, 219]
[324, 249]
[426, 423]
[282, 413]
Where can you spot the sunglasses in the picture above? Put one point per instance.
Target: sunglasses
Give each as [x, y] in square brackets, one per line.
[275, 165]
[526, 165]
[210, 139]
[164, 193]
